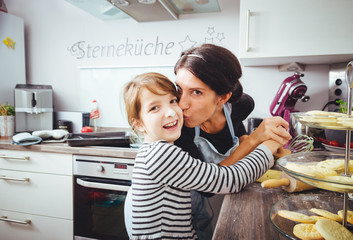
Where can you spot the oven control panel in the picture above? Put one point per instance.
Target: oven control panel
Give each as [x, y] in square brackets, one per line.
[103, 167]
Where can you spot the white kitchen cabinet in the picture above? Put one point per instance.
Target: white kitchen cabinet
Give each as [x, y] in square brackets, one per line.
[38, 187]
[40, 227]
[276, 32]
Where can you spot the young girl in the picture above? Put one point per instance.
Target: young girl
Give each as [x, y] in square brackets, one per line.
[163, 174]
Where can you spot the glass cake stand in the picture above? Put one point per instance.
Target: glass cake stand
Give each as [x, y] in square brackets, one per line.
[340, 183]
[302, 203]
[297, 165]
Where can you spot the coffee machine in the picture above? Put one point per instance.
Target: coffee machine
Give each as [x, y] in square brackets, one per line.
[33, 107]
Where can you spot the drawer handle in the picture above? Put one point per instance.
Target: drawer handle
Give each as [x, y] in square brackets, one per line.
[5, 219]
[15, 179]
[15, 158]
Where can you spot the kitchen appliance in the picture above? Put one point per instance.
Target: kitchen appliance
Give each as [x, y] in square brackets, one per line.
[33, 107]
[145, 10]
[100, 188]
[338, 88]
[64, 125]
[291, 90]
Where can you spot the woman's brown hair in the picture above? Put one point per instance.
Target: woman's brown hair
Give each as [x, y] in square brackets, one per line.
[216, 66]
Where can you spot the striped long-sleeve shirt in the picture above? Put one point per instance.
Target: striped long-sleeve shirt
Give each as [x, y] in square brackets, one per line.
[163, 177]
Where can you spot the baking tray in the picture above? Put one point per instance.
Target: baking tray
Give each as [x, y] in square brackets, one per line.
[110, 139]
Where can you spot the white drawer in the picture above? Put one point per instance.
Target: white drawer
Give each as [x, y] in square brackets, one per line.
[40, 227]
[36, 161]
[42, 194]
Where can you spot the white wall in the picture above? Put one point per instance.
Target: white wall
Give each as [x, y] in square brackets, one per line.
[52, 28]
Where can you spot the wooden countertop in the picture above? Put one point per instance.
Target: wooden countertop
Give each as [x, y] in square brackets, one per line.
[245, 215]
[65, 148]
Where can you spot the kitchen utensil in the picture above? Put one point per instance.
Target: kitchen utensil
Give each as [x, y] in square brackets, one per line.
[301, 143]
[270, 174]
[111, 139]
[291, 90]
[288, 183]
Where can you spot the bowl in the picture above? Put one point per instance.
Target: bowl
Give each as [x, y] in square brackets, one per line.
[302, 203]
[301, 166]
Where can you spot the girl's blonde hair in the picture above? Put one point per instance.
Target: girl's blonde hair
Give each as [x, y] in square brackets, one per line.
[153, 82]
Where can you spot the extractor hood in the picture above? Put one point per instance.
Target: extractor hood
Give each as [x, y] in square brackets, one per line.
[145, 10]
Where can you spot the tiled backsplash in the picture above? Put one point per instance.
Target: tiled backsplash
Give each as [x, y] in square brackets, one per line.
[105, 86]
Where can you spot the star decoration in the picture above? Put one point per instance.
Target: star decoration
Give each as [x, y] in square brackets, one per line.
[220, 36]
[9, 43]
[210, 30]
[208, 40]
[187, 43]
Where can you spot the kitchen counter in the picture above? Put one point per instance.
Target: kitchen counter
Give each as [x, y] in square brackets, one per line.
[245, 215]
[65, 148]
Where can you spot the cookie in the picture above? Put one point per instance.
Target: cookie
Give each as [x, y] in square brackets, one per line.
[325, 171]
[307, 231]
[334, 164]
[326, 214]
[296, 216]
[316, 217]
[332, 230]
[324, 113]
[305, 169]
[349, 215]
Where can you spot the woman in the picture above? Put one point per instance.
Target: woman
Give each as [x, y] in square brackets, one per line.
[214, 106]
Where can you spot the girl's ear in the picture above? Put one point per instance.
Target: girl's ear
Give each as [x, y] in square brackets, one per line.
[224, 98]
[139, 126]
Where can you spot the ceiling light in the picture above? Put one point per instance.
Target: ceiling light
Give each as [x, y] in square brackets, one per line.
[121, 3]
[147, 1]
[201, 2]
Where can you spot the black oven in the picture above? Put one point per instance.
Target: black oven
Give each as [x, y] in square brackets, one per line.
[100, 188]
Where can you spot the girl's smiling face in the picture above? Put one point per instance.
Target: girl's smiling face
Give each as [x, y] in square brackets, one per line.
[160, 118]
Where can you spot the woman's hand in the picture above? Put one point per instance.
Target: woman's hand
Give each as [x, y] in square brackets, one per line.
[273, 128]
[272, 132]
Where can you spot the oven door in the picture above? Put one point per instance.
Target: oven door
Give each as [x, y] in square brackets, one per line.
[99, 208]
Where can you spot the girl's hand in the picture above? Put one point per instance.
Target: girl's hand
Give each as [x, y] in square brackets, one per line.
[274, 128]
